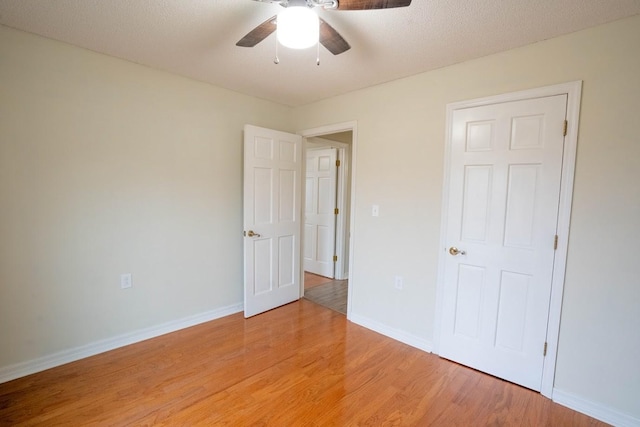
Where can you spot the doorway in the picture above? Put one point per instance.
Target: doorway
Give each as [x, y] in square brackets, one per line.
[327, 215]
[272, 214]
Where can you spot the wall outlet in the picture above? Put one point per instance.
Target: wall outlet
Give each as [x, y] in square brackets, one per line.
[398, 283]
[125, 281]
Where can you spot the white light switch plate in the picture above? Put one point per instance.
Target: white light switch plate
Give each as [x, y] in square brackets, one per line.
[125, 281]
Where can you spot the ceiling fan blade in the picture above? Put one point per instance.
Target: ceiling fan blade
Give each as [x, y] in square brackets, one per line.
[332, 40]
[371, 4]
[259, 33]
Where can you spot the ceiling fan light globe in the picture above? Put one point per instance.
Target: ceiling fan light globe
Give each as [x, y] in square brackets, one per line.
[298, 27]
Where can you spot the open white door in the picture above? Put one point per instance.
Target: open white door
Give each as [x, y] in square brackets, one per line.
[319, 212]
[504, 189]
[272, 169]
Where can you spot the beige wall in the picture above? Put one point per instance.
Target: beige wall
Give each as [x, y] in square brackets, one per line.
[400, 149]
[108, 167]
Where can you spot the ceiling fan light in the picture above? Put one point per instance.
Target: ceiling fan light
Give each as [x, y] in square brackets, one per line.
[298, 27]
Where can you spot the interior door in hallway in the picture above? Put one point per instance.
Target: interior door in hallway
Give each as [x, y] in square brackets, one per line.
[503, 196]
[272, 179]
[320, 216]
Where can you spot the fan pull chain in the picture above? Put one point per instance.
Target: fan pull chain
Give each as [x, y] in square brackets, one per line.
[276, 60]
[318, 54]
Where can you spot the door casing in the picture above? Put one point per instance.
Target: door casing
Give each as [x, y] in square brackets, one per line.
[573, 91]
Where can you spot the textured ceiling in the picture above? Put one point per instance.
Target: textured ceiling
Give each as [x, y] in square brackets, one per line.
[196, 38]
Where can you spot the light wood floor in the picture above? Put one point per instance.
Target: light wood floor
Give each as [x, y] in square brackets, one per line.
[298, 365]
[312, 280]
[327, 292]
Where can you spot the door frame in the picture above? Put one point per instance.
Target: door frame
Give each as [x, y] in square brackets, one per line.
[341, 269]
[573, 90]
[341, 224]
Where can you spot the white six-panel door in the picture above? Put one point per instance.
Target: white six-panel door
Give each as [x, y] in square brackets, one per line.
[272, 169]
[504, 185]
[320, 219]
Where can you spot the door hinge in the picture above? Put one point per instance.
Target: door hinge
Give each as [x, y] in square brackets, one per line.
[566, 125]
[544, 351]
[555, 242]
[336, 211]
[335, 258]
[337, 162]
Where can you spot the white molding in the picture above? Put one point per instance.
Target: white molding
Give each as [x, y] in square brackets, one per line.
[573, 90]
[396, 334]
[594, 409]
[11, 372]
[551, 90]
[335, 128]
[342, 233]
[313, 143]
[329, 129]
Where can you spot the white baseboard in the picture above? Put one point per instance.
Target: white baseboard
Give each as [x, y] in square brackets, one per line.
[594, 409]
[396, 334]
[22, 369]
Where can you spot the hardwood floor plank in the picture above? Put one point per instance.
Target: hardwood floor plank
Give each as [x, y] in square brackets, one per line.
[332, 294]
[300, 364]
[311, 280]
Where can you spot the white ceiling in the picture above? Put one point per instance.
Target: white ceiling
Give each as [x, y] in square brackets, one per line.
[196, 38]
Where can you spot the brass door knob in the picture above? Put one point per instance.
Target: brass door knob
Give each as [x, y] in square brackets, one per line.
[250, 233]
[455, 251]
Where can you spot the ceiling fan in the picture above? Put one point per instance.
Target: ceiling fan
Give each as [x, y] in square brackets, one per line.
[327, 35]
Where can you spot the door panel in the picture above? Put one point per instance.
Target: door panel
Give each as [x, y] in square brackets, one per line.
[262, 271]
[469, 301]
[475, 203]
[320, 221]
[272, 170]
[521, 199]
[504, 186]
[512, 306]
[287, 196]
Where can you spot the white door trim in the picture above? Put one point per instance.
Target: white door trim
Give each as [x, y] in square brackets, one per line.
[325, 130]
[574, 92]
[341, 271]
